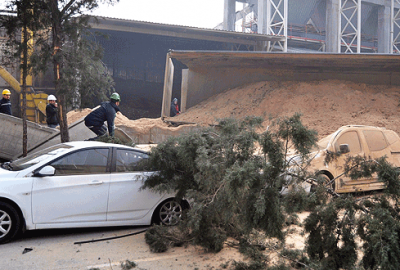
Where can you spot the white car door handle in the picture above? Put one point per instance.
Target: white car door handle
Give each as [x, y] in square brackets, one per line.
[96, 182]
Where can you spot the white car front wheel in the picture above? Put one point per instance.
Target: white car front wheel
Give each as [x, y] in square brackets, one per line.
[169, 213]
[10, 222]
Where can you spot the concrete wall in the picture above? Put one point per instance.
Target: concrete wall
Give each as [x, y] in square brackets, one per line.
[77, 132]
[11, 135]
[156, 134]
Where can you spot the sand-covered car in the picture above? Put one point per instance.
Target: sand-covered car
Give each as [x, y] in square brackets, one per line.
[354, 140]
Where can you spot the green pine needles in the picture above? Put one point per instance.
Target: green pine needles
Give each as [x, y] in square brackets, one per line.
[232, 175]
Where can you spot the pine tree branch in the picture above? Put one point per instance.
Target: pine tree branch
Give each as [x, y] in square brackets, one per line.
[66, 7]
[286, 257]
[215, 194]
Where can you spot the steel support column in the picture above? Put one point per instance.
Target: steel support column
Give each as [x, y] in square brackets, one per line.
[229, 15]
[395, 28]
[262, 17]
[332, 26]
[277, 21]
[350, 26]
[384, 22]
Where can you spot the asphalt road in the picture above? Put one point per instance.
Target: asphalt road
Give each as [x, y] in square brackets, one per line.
[55, 249]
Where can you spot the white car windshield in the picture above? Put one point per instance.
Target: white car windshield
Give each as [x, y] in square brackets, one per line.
[36, 157]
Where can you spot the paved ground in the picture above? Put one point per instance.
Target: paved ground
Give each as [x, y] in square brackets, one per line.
[55, 249]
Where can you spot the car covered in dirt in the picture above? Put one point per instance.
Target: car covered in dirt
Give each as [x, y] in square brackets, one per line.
[354, 140]
[81, 184]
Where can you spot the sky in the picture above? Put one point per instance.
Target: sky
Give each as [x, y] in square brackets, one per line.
[196, 13]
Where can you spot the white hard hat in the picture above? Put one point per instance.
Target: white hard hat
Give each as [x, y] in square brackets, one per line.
[51, 97]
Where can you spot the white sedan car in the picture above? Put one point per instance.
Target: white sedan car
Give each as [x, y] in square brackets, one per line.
[81, 184]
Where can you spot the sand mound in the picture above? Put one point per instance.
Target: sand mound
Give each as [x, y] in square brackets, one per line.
[138, 127]
[75, 115]
[325, 105]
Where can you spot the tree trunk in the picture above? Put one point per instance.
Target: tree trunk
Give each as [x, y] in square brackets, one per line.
[24, 75]
[57, 67]
[62, 115]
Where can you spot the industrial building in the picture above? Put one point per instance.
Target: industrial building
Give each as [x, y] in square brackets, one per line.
[136, 52]
[334, 26]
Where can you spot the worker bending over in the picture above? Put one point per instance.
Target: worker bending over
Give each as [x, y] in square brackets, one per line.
[105, 112]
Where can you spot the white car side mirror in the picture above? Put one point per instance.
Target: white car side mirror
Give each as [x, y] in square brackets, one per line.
[46, 171]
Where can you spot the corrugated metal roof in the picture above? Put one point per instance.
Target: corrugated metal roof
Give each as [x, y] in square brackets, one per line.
[155, 23]
[105, 23]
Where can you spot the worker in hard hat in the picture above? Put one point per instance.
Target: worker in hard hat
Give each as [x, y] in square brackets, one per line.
[52, 112]
[105, 112]
[175, 107]
[5, 103]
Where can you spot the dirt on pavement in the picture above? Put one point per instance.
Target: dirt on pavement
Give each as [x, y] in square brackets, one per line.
[60, 250]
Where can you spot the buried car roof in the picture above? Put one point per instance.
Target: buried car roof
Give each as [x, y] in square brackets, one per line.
[362, 127]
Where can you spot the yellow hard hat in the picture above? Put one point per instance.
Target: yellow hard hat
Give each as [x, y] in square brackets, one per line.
[6, 92]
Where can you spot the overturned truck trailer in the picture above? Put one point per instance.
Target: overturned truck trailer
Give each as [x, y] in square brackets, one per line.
[209, 73]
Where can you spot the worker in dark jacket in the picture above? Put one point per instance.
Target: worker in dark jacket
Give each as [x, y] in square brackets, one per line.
[5, 103]
[51, 112]
[105, 112]
[175, 107]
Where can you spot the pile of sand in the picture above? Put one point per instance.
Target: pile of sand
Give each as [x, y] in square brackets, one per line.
[75, 115]
[325, 106]
[138, 127]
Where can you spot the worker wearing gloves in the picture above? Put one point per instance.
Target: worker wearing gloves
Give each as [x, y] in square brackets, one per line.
[105, 112]
[52, 112]
[5, 103]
